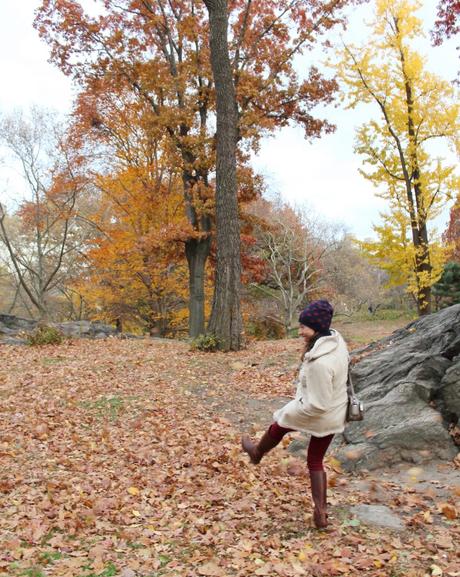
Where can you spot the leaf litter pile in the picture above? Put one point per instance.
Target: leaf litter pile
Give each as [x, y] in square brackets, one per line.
[116, 461]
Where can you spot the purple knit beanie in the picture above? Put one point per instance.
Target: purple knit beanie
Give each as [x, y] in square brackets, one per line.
[317, 315]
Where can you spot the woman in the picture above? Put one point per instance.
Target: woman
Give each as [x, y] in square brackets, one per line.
[320, 404]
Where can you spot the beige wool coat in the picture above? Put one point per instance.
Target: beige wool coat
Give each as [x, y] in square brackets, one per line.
[321, 399]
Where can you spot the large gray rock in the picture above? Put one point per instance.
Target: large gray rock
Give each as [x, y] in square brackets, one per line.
[449, 392]
[86, 329]
[410, 386]
[9, 324]
[13, 329]
[378, 515]
[411, 390]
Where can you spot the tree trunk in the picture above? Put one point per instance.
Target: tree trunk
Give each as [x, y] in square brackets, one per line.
[225, 321]
[197, 252]
[423, 266]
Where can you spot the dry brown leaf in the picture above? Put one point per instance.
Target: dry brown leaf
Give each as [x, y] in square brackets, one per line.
[448, 510]
[210, 569]
[120, 437]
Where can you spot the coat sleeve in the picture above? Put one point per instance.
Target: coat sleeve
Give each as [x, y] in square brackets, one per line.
[319, 391]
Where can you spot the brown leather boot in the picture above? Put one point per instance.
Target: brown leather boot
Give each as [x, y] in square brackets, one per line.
[257, 451]
[319, 495]
[325, 491]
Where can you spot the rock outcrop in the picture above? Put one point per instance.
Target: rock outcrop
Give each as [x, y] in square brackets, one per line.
[12, 329]
[410, 385]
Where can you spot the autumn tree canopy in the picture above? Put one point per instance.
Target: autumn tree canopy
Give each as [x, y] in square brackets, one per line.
[415, 107]
[155, 57]
[43, 235]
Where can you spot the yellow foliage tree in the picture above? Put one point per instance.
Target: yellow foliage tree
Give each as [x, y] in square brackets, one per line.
[415, 108]
[135, 272]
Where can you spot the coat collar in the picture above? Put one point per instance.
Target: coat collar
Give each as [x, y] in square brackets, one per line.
[323, 346]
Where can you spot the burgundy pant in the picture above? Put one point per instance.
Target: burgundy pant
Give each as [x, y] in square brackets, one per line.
[316, 448]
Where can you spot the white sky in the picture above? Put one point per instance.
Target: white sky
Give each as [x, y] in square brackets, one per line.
[322, 174]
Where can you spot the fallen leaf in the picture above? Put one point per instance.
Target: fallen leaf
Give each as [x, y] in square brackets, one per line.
[448, 510]
[210, 569]
[427, 517]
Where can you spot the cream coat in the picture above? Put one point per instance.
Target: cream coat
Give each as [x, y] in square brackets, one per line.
[321, 399]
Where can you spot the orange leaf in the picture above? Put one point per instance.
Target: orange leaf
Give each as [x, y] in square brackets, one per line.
[449, 511]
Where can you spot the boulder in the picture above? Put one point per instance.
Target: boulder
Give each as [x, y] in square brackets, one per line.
[12, 341]
[9, 324]
[378, 515]
[86, 329]
[12, 329]
[449, 392]
[410, 385]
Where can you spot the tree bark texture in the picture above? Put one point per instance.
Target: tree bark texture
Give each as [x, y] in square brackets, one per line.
[197, 252]
[419, 228]
[225, 321]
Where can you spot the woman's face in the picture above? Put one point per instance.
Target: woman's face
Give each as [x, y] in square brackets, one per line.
[306, 332]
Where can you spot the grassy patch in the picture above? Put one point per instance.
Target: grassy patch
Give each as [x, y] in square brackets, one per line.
[109, 571]
[105, 407]
[379, 315]
[50, 361]
[134, 545]
[50, 556]
[33, 572]
[164, 560]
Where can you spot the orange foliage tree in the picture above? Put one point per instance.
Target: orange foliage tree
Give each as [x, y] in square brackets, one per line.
[134, 270]
[155, 56]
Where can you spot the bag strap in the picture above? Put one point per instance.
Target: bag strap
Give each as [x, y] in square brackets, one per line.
[350, 383]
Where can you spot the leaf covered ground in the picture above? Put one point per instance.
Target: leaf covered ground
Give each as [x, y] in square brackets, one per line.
[122, 458]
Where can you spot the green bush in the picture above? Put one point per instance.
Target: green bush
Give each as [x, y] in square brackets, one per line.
[447, 290]
[45, 335]
[207, 343]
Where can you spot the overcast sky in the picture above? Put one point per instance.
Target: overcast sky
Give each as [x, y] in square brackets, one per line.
[322, 174]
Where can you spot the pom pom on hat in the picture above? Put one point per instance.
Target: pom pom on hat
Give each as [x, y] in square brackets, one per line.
[317, 315]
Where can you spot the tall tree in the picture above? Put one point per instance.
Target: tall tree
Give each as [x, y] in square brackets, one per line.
[354, 283]
[225, 321]
[156, 54]
[49, 234]
[294, 245]
[416, 107]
